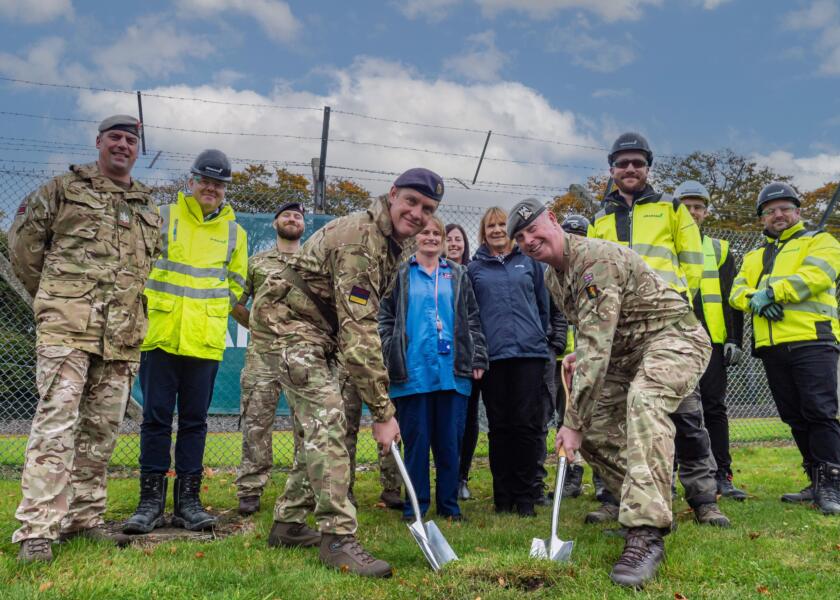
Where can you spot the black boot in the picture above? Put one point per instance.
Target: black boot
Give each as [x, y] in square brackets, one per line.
[807, 493]
[573, 485]
[726, 488]
[149, 513]
[827, 488]
[189, 513]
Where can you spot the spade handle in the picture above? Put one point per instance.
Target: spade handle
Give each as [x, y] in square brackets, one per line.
[407, 481]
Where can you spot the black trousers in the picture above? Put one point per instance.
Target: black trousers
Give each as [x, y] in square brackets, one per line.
[168, 380]
[470, 439]
[803, 382]
[512, 392]
[713, 397]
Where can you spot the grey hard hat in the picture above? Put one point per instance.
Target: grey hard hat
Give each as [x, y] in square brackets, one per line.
[630, 141]
[576, 224]
[213, 164]
[776, 190]
[692, 189]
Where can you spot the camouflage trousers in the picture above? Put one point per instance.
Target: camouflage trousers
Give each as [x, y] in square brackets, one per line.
[389, 475]
[310, 380]
[630, 437]
[74, 430]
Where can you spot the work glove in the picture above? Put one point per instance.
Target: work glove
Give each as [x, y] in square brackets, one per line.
[773, 311]
[731, 354]
[760, 301]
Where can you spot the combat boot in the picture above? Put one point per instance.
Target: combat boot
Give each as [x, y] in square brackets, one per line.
[464, 490]
[727, 489]
[827, 488]
[35, 550]
[248, 505]
[97, 534]
[608, 511]
[189, 513]
[573, 485]
[345, 553]
[149, 513]
[709, 514]
[392, 499]
[806, 495]
[644, 549]
[293, 535]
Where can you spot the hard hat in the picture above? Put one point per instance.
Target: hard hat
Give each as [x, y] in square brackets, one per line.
[213, 164]
[776, 191]
[630, 141]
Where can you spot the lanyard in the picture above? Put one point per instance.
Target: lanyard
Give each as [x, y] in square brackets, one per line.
[438, 323]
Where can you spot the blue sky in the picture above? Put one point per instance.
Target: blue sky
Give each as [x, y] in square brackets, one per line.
[760, 77]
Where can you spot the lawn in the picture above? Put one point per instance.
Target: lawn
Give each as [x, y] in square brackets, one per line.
[773, 550]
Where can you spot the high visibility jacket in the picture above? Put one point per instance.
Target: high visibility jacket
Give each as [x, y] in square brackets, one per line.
[570, 342]
[714, 255]
[660, 229]
[801, 268]
[199, 276]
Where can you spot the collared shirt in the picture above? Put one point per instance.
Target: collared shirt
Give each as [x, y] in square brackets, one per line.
[429, 370]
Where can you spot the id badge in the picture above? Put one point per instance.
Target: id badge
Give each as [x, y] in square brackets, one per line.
[444, 346]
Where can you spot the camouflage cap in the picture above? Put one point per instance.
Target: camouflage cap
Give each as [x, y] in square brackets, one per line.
[298, 206]
[122, 123]
[422, 180]
[523, 214]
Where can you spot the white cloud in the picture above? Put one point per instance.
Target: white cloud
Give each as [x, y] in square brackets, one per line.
[377, 87]
[481, 62]
[712, 4]
[609, 10]
[593, 52]
[43, 62]
[431, 10]
[822, 17]
[274, 16]
[151, 47]
[809, 172]
[37, 11]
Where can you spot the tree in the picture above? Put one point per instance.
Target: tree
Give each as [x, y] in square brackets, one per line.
[734, 182]
[814, 204]
[578, 200]
[344, 197]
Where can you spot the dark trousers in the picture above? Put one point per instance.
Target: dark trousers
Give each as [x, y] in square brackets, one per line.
[168, 380]
[470, 439]
[803, 382]
[432, 421]
[713, 398]
[512, 392]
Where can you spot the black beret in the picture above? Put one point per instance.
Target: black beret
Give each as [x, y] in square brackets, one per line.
[122, 123]
[422, 180]
[294, 205]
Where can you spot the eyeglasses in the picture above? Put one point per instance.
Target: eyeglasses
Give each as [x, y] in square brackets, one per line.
[210, 183]
[623, 163]
[785, 210]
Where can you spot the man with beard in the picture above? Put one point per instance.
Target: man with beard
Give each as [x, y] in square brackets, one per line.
[660, 229]
[639, 351]
[326, 302]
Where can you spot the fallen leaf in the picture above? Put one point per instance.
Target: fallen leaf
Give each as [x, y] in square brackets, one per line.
[478, 598]
[45, 586]
[837, 546]
[762, 590]
[199, 554]
[147, 551]
[480, 549]
[345, 568]
[208, 507]
[502, 581]
[247, 544]
[754, 534]
[678, 596]
[204, 488]
[209, 472]
[172, 549]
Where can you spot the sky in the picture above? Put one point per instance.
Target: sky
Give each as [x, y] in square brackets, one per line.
[420, 82]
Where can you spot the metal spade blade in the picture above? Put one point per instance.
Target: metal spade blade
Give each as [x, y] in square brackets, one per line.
[554, 548]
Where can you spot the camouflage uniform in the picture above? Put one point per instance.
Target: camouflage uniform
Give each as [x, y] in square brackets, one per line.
[349, 264]
[640, 351]
[82, 246]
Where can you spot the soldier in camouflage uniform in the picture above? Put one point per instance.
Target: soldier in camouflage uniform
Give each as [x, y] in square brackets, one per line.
[327, 301]
[640, 350]
[82, 245]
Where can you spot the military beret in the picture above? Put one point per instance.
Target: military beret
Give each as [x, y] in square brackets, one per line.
[422, 180]
[122, 123]
[294, 205]
[523, 214]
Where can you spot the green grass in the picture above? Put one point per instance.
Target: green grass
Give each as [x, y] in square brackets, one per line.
[773, 550]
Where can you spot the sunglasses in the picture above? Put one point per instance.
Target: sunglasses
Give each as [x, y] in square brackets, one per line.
[623, 163]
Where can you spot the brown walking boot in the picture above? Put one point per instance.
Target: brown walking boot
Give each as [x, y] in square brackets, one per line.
[392, 499]
[709, 514]
[248, 505]
[292, 535]
[345, 553]
[644, 549]
[35, 550]
[603, 514]
[97, 534]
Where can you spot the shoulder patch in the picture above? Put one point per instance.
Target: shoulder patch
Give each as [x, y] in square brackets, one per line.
[359, 295]
[22, 208]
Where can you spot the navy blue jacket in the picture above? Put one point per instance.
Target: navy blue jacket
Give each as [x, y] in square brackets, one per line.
[512, 303]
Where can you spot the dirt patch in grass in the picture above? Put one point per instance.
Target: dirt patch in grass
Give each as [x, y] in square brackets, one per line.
[521, 578]
[229, 524]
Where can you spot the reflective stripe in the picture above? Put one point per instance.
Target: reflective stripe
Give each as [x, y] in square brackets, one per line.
[670, 277]
[692, 258]
[655, 251]
[237, 278]
[710, 274]
[164, 237]
[799, 286]
[187, 292]
[712, 298]
[822, 266]
[233, 299]
[812, 307]
[716, 248]
[740, 281]
[176, 267]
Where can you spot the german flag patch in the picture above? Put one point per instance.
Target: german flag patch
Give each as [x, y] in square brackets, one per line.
[359, 295]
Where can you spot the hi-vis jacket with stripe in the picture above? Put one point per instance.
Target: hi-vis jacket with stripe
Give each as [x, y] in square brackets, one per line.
[711, 305]
[660, 229]
[199, 276]
[801, 268]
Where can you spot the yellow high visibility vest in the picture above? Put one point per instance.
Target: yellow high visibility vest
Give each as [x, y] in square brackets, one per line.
[198, 277]
[714, 254]
[801, 267]
[570, 342]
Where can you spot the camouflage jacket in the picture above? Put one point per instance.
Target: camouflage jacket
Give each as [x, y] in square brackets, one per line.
[616, 302]
[350, 264]
[83, 247]
[260, 266]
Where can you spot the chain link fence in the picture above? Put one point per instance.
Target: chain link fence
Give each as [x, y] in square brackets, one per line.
[752, 412]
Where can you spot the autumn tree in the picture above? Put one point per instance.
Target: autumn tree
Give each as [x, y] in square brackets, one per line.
[815, 203]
